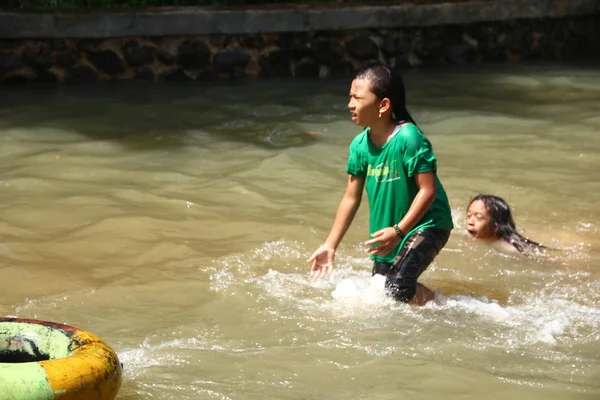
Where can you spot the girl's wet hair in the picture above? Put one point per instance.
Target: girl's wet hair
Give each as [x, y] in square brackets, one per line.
[504, 225]
[386, 83]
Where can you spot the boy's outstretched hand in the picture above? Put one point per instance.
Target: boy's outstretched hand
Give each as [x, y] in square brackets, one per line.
[322, 261]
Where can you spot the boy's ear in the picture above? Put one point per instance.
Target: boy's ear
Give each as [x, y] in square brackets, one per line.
[385, 105]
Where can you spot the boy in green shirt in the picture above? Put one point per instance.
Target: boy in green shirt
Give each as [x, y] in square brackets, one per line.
[410, 218]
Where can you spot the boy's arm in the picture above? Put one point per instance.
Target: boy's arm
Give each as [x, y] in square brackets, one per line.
[346, 211]
[422, 201]
[322, 258]
[384, 240]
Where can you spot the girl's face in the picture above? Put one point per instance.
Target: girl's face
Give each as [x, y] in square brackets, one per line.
[479, 223]
[364, 105]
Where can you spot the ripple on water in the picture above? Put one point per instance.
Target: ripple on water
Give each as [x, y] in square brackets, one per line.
[350, 302]
[188, 211]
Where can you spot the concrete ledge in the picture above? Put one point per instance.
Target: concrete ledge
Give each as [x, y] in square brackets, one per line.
[194, 22]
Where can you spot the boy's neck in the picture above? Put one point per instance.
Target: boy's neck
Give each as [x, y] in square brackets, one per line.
[380, 131]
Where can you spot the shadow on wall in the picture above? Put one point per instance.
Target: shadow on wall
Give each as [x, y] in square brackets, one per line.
[318, 54]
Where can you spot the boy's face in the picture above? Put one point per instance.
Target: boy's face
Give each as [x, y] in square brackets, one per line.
[479, 223]
[363, 104]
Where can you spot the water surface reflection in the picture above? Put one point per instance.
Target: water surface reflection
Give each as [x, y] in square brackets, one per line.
[175, 221]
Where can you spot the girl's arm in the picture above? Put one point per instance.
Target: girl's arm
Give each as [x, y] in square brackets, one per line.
[386, 239]
[322, 258]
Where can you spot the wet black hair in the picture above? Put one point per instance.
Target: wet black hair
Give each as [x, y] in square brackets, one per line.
[504, 225]
[386, 83]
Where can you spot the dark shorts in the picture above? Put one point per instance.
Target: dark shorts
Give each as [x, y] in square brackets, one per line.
[418, 252]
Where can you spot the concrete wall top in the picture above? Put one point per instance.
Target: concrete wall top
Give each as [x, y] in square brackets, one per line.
[203, 21]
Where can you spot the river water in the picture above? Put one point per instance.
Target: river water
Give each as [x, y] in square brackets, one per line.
[174, 221]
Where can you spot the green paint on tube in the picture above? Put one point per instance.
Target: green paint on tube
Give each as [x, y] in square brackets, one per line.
[50, 341]
[24, 381]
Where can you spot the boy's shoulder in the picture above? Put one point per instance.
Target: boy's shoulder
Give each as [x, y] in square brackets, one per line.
[411, 135]
[362, 134]
[361, 138]
[410, 129]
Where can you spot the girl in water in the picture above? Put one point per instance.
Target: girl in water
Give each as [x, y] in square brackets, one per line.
[489, 219]
[410, 219]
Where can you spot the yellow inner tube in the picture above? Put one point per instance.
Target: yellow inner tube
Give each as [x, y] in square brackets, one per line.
[41, 360]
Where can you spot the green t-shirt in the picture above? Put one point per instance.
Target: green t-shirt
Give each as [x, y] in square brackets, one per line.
[389, 180]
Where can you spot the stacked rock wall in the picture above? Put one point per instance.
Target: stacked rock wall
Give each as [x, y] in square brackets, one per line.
[306, 54]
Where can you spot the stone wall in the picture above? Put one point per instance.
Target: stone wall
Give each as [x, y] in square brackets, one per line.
[304, 53]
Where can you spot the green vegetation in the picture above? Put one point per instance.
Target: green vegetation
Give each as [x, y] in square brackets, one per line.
[66, 5]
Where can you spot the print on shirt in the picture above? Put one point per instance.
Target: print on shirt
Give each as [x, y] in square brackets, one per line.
[383, 173]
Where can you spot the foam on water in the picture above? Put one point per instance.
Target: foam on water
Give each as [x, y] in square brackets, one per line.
[357, 290]
[545, 319]
[551, 316]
